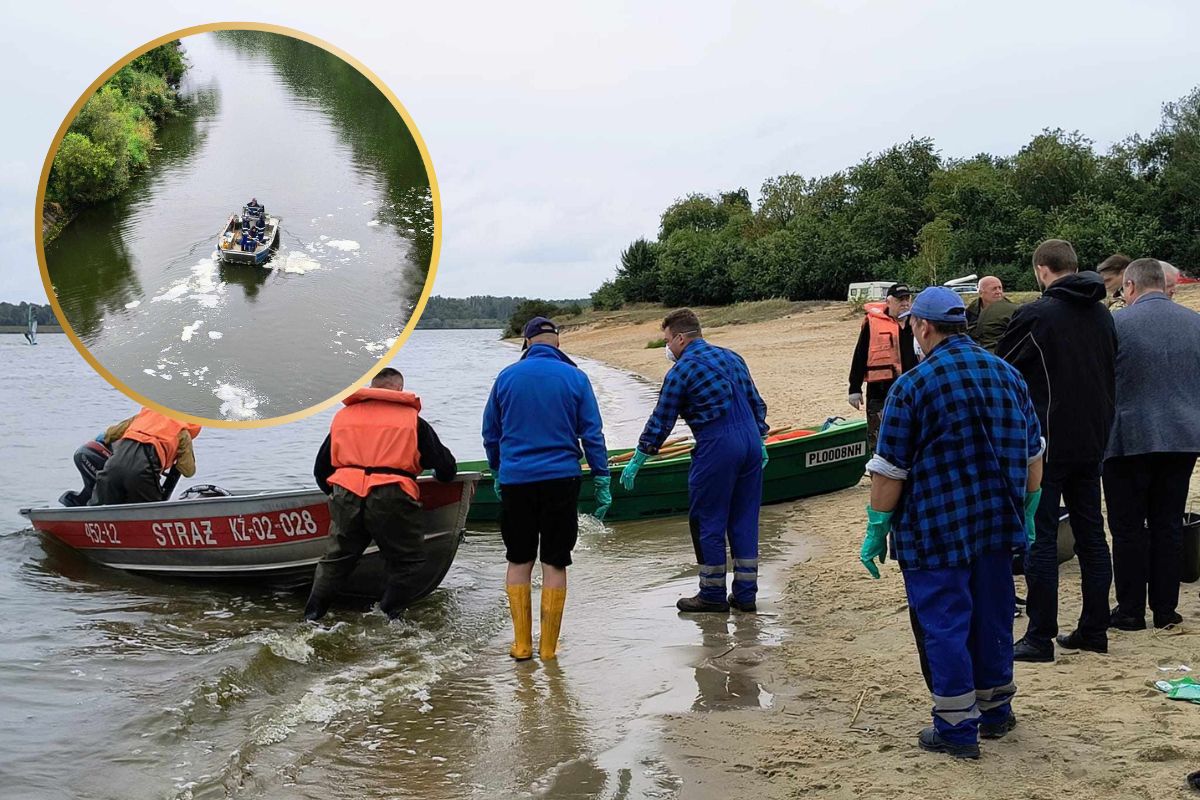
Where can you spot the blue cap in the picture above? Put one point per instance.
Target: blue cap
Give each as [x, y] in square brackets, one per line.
[938, 304]
[538, 326]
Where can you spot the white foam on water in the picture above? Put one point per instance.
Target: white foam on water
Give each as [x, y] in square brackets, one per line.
[211, 300]
[369, 203]
[133, 304]
[373, 223]
[299, 263]
[343, 244]
[150, 372]
[166, 376]
[215, 334]
[190, 330]
[236, 402]
[176, 292]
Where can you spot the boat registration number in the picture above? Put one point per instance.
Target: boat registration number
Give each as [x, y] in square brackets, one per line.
[829, 455]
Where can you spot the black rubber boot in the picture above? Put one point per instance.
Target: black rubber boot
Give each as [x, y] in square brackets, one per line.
[1074, 641]
[997, 730]
[931, 741]
[1165, 620]
[698, 604]
[747, 608]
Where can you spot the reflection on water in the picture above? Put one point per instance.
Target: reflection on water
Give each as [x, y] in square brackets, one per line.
[281, 120]
[196, 690]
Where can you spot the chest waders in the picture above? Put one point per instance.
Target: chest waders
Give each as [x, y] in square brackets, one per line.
[724, 495]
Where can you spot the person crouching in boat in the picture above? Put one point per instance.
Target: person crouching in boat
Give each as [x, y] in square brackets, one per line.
[538, 412]
[368, 465]
[711, 388]
[144, 446]
[90, 457]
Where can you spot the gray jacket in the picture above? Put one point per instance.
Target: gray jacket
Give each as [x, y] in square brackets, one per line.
[1158, 379]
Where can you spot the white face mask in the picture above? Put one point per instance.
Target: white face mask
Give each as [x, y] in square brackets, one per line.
[917, 347]
[670, 356]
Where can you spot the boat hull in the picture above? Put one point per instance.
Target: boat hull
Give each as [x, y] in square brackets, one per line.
[822, 462]
[271, 538]
[260, 255]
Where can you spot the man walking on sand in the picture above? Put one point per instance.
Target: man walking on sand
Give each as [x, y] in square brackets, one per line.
[884, 351]
[1064, 345]
[539, 411]
[1153, 448]
[954, 530]
[711, 388]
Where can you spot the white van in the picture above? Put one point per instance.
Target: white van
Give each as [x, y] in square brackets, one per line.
[869, 291]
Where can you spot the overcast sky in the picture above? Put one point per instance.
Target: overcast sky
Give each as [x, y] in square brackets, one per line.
[560, 134]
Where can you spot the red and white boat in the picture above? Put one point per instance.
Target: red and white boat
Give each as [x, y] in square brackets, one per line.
[270, 538]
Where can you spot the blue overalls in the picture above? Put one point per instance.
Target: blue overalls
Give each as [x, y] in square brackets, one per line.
[724, 493]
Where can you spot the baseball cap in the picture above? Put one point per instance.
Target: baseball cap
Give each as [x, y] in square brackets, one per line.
[899, 290]
[538, 326]
[938, 304]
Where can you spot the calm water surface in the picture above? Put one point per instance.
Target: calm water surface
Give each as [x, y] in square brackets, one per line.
[115, 686]
[307, 135]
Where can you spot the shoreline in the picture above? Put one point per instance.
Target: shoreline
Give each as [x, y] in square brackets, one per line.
[849, 697]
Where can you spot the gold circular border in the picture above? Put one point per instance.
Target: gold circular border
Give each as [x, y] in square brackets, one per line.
[418, 310]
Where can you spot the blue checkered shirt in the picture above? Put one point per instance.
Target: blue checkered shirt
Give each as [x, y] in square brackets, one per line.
[700, 388]
[963, 428]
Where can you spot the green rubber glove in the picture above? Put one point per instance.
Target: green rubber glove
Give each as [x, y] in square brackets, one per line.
[602, 488]
[766, 457]
[496, 489]
[875, 542]
[629, 474]
[1031, 503]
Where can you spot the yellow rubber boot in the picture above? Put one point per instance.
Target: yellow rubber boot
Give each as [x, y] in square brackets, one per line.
[553, 601]
[520, 606]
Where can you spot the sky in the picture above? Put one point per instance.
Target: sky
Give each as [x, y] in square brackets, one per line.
[560, 132]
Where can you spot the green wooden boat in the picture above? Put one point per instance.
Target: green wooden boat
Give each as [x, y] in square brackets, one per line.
[818, 463]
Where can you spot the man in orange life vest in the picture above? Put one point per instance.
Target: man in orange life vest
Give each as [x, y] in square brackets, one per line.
[368, 465]
[884, 352]
[143, 447]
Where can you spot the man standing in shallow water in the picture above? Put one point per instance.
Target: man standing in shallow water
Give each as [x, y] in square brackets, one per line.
[711, 388]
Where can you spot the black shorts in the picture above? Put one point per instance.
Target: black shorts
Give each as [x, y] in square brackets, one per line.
[542, 512]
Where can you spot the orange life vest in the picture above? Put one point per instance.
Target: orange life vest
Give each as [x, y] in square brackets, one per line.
[373, 441]
[161, 432]
[883, 347]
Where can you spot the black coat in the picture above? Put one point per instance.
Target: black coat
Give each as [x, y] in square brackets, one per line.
[1065, 345]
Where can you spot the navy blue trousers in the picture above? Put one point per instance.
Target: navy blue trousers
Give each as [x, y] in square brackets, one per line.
[962, 620]
[725, 492]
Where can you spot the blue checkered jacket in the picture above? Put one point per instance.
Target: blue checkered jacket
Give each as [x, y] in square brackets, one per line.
[700, 388]
[963, 428]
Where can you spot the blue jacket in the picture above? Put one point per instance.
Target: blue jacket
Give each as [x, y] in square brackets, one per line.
[539, 411]
[1158, 379]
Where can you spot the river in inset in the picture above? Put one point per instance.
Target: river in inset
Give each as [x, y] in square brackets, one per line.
[117, 686]
[278, 119]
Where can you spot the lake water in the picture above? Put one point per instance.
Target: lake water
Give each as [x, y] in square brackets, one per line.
[278, 119]
[117, 686]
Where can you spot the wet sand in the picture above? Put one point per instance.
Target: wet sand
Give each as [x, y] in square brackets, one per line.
[848, 694]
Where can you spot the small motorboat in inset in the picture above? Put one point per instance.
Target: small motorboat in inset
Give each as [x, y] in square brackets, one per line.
[250, 237]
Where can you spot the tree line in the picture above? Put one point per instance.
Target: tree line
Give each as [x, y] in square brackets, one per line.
[488, 311]
[909, 214]
[18, 314]
[112, 136]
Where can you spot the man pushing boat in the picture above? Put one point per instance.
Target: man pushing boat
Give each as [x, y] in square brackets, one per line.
[368, 465]
[711, 388]
[143, 447]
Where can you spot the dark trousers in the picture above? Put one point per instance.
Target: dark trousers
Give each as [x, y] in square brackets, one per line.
[1077, 486]
[390, 518]
[129, 476]
[874, 420]
[962, 623]
[1146, 497]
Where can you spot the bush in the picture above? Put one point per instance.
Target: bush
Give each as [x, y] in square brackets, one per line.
[654, 344]
[82, 171]
[527, 311]
[607, 297]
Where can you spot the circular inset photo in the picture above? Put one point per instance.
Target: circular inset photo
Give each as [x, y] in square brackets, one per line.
[238, 223]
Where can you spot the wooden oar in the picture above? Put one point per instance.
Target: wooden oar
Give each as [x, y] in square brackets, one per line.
[624, 457]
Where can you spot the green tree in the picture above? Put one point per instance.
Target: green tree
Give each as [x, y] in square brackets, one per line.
[637, 276]
[1053, 168]
[608, 297]
[81, 172]
[526, 311]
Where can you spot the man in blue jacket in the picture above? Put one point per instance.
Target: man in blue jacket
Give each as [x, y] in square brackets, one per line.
[539, 411]
[711, 388]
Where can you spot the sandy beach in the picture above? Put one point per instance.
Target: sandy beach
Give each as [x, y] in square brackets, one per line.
[848, 694]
